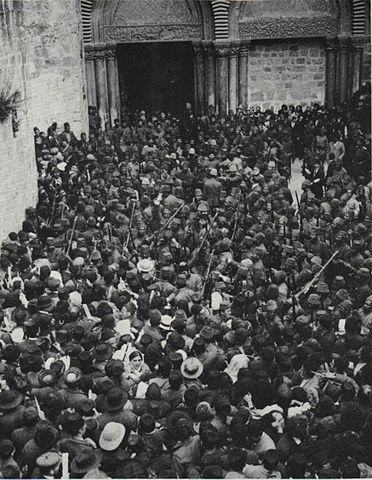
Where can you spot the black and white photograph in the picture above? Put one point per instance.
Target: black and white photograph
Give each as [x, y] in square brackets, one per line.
[185, 239]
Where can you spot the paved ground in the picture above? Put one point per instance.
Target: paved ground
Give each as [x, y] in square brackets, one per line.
[296, 180]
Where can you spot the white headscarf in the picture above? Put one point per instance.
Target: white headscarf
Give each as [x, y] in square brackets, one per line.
[237, 362]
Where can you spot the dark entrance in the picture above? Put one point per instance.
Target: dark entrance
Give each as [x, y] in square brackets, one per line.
[156, 76]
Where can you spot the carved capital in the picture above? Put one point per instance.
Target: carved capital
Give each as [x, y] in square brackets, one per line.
[97, 55]
[359, 41]
[234, 50]
[209, 49]
[344, 43]
[198, 49]
[111, 53]
[331, 43]
[223, 49]
[243, 50]
[99, 51]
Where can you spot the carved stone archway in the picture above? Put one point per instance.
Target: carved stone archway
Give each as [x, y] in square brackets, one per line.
[114, 22]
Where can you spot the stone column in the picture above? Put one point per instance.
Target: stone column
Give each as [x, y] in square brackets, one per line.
[113, 83]
[199, 77]
[91, 78]
[210, 74]
[357, 63]
[350, 73]
[331, 58]
[223, 51]
[101, 83]
[243, 74]
[233, 78]
[344, 43]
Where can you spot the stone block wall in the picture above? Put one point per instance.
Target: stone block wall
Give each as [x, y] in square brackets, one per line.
[41, 55]
[290, 72]
[366, 62]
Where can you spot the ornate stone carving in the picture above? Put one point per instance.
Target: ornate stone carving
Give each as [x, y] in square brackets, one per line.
[344, 43]
[223, 50]
[244, 49]
[209, 49]
[269, 28]
[359, 41]
[234, 51]
[94, 52]
[138, 33]
[331, 43]
[111, 53]
[198, 49]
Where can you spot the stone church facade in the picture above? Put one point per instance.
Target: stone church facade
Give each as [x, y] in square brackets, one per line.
[250, 52]
[63, 56]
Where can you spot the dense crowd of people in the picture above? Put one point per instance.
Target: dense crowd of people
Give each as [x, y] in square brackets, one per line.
[170, 310]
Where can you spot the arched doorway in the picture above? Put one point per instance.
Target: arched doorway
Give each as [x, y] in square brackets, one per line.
[145, 53]
[156, 76]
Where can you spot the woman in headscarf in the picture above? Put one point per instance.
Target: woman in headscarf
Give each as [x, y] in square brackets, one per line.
[136, 370]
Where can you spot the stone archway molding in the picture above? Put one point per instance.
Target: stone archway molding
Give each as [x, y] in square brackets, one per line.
[194, 21]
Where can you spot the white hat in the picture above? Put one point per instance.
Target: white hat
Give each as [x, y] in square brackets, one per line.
[191, 368]
[17, 335]
[111, 437]
[56, 274]
[123, 328]
[192, 151]
[145, 265]
[145, 181]
[75, 298]
[62, 166]
[165, 322]
[78, 262]
[213, 172]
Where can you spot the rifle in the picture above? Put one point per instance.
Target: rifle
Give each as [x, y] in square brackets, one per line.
[208, 270]
[40, 413]
[170, 219]
[207, 233]
[317, 275]
[293, 297]
[50, 221]
[297, 199]
[235, 224]
[72, 235]
[130, 226]
[245, 212]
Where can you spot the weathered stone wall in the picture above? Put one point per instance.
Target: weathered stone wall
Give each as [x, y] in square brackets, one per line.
[291, 72]
[41, 56]
[366, 62]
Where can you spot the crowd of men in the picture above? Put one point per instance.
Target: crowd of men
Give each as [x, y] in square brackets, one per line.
[171, 310]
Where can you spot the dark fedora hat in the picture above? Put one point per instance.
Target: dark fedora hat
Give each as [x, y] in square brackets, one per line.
[102, 352]
[208, 333]
[10, 399]
[86, 460]
[44, 301]
[115, 399]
